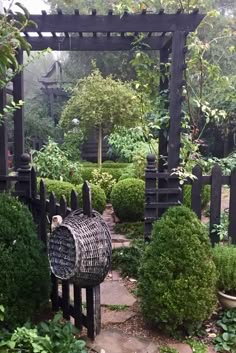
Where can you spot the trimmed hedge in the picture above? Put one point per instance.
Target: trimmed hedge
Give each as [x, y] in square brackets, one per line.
[116, 173]
[127, 199]
[61, 188]
[24, 270]
[177, 279]
[205, 195]
[98, 197]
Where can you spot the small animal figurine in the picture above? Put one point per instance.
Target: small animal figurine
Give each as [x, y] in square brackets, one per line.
[56, 221]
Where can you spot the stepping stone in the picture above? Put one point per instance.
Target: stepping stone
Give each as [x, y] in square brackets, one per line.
[115, 316]
[114, 341]
[120, 245]
[112, 293]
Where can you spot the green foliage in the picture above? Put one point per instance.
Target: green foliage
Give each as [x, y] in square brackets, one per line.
[166, 349]
[101, 101]
[127, 260]
[60, 188]
[117, 307]
[205, 195]
[133, 230]
[177, 279]
[87, 171]
[226, 341]
[127, 199]
[53, 163]
[98, 197]
[72, 144]
[225, 261]
[104, 180]
[24, 270]
[222, 228]
[197, 346]
[54, 336]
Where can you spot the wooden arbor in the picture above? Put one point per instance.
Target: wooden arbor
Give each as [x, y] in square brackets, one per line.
[164, 32]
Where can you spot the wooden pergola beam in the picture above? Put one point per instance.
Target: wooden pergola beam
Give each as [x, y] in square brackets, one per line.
[127, 23]
[95, 43]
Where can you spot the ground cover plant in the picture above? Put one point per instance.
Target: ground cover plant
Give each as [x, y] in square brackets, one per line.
[24, 270]
[177, 279]
[226, 341]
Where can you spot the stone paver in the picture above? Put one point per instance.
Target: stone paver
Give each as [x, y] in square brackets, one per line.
[115, 293]
[115, 317]
[114, 341]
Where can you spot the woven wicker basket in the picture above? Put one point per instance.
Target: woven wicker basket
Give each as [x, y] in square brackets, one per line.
[80, 249]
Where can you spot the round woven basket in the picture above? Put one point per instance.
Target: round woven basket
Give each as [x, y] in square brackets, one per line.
[80, 249]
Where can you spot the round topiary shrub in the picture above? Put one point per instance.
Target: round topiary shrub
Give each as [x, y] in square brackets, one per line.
[177, 282]
[98, 197]
[59, 188]
[24, 270]
[127, 199]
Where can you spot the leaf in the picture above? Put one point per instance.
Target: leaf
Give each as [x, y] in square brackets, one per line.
[225, 336]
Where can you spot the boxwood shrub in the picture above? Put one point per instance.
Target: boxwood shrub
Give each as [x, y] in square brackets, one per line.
[205, 195]
[98, 197]
[177, 279]
[61, 188]
[86, 172]
[127, 199]
[24, 270]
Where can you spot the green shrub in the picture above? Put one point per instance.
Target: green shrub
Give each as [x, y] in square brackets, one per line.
[127, 260]
[177, 279]
[86, 173]
[225, 261]
[98, 197]
[205, 195]
[127, 198]
[24, 270]
[59, 188]
[116, 172]
[104, 180]
[132, 230]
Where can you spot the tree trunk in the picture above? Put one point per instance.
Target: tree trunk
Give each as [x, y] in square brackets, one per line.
[100, 145]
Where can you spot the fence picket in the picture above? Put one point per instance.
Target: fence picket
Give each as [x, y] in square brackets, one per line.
[74, 200]
[43, 214]
[216, 176]
[232, 208]
[196, 203]
[65, 284]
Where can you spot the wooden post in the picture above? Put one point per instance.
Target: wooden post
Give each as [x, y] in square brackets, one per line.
[216, 185]
[176, 84]
[150, 210]
[232, 208]
[3, 142]
[23, 185]
[18, 95]
[92, 293]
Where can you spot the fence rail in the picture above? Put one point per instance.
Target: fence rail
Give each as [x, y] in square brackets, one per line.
[158, 199]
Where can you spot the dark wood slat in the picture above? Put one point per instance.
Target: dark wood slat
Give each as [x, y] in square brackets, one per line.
[93, 311]
[94, 43]
[215, 202]
[87, 199]
[3, 142]
[154, 205]
[43, 214]
[33, 183]
[150, 195]
[18, 94]
[130, 23]
[77, 307]
[74, 200]
[196, 203]
[232, 209]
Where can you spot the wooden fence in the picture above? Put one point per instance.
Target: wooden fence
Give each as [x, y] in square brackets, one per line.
[157, 198]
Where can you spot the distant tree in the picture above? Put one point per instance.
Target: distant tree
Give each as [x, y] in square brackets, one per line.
[102, 103]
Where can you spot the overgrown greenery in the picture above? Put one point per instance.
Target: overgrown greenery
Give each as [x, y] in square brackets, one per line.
[205, 195]
[132, 230]
[128, 259]
[226, 341]
[127, 198]
[177, 279]
[104, 180]
[55, 336]
[24, 269]
[225, 261]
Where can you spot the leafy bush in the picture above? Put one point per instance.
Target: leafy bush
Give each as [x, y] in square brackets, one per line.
[24, 270]
[127, 260]
[226, 341]
[225, 261]
[131, 230]
[87, 172]
[98, 197]
[104, 180]
[127, 198]
[178, 276]
[55, 336]
[51, 162]
[60, 188]
[205, 195]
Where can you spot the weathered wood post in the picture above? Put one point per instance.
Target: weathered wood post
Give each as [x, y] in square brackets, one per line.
[150, 208]
[3, 143]
[23, 185]
[92, 293]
